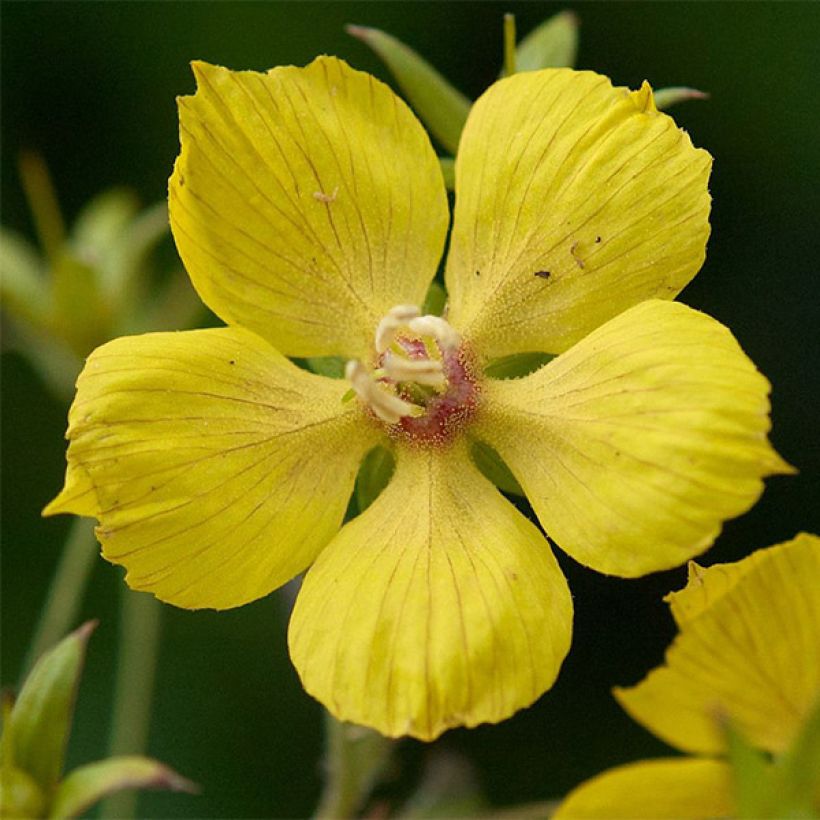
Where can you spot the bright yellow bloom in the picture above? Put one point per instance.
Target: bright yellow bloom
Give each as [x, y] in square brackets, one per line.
[309, 209]
[748, 653]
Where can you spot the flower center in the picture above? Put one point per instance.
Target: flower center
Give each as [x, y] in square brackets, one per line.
[423, 384]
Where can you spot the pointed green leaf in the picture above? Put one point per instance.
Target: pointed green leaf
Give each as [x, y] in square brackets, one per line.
[331, 366]
[435, 301]
[441, 107]
[86, 785]
[374, 474]
[491, 465]
[553, 44]
[516, 365]
[666, 97]
[448, 171]
[40, 721]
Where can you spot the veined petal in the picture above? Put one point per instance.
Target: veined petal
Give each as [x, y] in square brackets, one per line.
[305, 203]
[220, 469]
[574, 201]
[635, 445]
[663, 789]
[440, 606]
[752, 657]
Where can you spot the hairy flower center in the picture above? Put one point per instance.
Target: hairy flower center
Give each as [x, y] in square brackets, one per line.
[423, 384]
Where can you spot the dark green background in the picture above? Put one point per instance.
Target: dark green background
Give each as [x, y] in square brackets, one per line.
[92, 86]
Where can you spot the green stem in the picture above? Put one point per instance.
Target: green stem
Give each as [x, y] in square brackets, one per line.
[509, 45]
[136, 667]
[355, 759]
[66, 592]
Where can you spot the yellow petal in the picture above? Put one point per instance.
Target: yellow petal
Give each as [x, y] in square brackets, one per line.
[704, 585]
[752, 656]
[574, 201]
[219, 468]
[440, 606]
[305, 203]
[635, 445]
[664, 789]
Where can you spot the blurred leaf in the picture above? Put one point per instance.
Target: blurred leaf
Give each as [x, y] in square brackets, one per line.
[331, 366]
[666, 97]
[176, 306]
[448, 171]
[435, 300]
[553, 44]
[23, 287]
[40, 721]
[20, 796]
[441, 107]
[752, 777]
[99, 230]
[374, 474]
[88, 784]
[129, 273]
[81, 315]
[516, 365]
[800, 772]
[42, 202]
[493, 467]
[448, 789]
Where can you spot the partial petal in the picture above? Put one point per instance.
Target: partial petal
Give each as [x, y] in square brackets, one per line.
[305, 203]
[635, 445]
[751, 657]
[219, 468]
[574, 201]
[440, 606]
[664, 789]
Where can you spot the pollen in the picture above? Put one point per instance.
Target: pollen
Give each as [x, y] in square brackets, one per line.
[423, 384]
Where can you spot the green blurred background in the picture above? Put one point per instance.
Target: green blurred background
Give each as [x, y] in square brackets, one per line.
[91, 86]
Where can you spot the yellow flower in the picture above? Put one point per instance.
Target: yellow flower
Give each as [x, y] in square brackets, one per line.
[309, 209]
[748, 653]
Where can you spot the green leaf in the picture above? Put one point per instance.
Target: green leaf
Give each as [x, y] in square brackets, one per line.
[40, 721]
[448, 171]
[23, 287]
[100, 227]
[753, 777]
[516, 365]
[553, 44]
[86, 785]
[330, 366]
[799, 769]
[493, 467]
[82, 317]
[666, 97]
[374, 474]
[435, 301]
[441, 107]
[20, 796]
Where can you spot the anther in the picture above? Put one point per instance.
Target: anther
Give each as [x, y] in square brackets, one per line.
[438, 328]
[396, 318]
[421, 371]
[387, 406]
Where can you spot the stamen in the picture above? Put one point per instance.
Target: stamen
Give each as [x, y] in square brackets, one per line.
[440, 329]
[396, 318]
[387, 406]
[422, 371]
